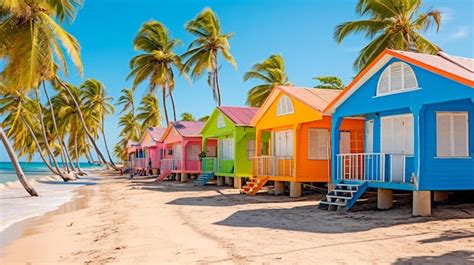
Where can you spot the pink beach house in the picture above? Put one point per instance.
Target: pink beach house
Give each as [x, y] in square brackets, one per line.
[153, 149]
[134, 156]
[182, 145]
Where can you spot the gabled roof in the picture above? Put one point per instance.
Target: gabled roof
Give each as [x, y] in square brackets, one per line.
[240, 116]
[156, 133]
[188, 128]
[315, 98]
[458, 69]
[132, 146]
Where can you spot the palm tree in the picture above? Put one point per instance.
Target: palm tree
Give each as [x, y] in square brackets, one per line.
[391, 24]
[95, 100]
[203, 52]
[128, 122]
[204, 118]
[128, 102]
[149, 112]
[157, 61]
[329, 82]
[187, 116]
[272, 72]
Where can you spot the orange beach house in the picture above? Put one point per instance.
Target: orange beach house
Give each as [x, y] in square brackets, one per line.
[293, 139]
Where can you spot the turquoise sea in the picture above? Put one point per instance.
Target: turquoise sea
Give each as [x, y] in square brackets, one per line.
[31, 169]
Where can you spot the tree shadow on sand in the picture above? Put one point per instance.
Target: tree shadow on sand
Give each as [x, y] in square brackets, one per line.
[313, 220]
[450, 236]
[453, 257]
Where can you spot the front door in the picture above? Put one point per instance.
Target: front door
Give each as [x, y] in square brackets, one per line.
[397, 134]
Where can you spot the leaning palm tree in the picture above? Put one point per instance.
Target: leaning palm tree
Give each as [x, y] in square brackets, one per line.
[149, 112]
[272, 72]
[128, 122]
[95, 100]
[187, 116]
[203, 52]
[329, 82]
[157, 61]
[393, 24]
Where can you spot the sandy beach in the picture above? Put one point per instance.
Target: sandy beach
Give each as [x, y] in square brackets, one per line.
[146, 222]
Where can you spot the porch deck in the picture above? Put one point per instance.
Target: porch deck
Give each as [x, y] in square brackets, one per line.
[378, 170]
[276, 168]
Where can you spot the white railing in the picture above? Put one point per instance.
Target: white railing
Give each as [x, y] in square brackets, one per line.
[139, 163]
[209, 164]
[361, 166]
[170, 164]
[375, 167]
[277, 166]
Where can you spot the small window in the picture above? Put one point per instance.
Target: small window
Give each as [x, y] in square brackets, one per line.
[193, 152]
[285, 106]
[397, 77]
[220, 121]
[318, 144]
[250, 149]
[283, 143]
[452, 132]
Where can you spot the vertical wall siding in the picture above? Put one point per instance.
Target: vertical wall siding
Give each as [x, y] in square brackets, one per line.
[446, 173]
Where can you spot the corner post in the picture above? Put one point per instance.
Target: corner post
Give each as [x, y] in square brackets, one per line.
[417, 112]
[335, 137]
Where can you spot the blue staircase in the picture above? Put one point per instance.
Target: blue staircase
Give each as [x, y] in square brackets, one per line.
[203, 178]
[343, 196]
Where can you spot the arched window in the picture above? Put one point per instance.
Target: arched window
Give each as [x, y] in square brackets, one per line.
[285, 106]
[220, 121]
[397, 77]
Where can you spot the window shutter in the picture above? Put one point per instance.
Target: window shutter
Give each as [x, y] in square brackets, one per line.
[460, 135]
[323, 137]
[345, 142]
[384, 81]
[409, 77]
[250, 149]
[312, 144]
[443, 130]
[396, 81]
[370, 136]
[409, 134]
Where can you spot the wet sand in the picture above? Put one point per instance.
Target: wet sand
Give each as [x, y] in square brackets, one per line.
[146, 222]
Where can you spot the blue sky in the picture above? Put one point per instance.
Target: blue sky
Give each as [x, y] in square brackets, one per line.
[300, 30]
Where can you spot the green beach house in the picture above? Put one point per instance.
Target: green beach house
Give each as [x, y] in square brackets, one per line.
[231, 162]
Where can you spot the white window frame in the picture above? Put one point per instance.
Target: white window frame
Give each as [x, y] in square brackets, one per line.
[451, 115]
[220, 121]
[285, 106]
[388, 72]
[325, 155]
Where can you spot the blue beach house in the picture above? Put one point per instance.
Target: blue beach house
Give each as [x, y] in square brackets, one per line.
[419, 130]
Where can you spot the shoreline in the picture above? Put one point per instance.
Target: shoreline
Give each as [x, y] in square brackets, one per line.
[147, 222]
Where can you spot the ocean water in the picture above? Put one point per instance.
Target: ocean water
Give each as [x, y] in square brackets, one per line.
[16, 205]
[32, 170]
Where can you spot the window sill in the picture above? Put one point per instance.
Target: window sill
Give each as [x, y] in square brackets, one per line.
[452, 157]
[397, 92]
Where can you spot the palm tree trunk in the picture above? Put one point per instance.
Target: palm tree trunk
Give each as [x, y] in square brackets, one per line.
[163, 89]
[173, 105]
[45, 136]
[64, 148]
[216, 81]
[83, 122]
[38, 146]
[77, 154]
[105, 142]
[19, 171]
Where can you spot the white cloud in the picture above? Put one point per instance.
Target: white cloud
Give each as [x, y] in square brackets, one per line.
[461, 33]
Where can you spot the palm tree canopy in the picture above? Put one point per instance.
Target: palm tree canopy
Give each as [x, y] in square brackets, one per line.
[271, 72]
[158, 59]
[204, 118]
[94, 96]
[203, 51]
[393, 24]
[329, 82]
[149, 112]
[127, 100]
[187, 116]
[128, 122]
[33, 43]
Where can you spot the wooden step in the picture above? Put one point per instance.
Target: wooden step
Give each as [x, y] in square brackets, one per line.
[338, 197]
[334, 203]
[351, 191]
